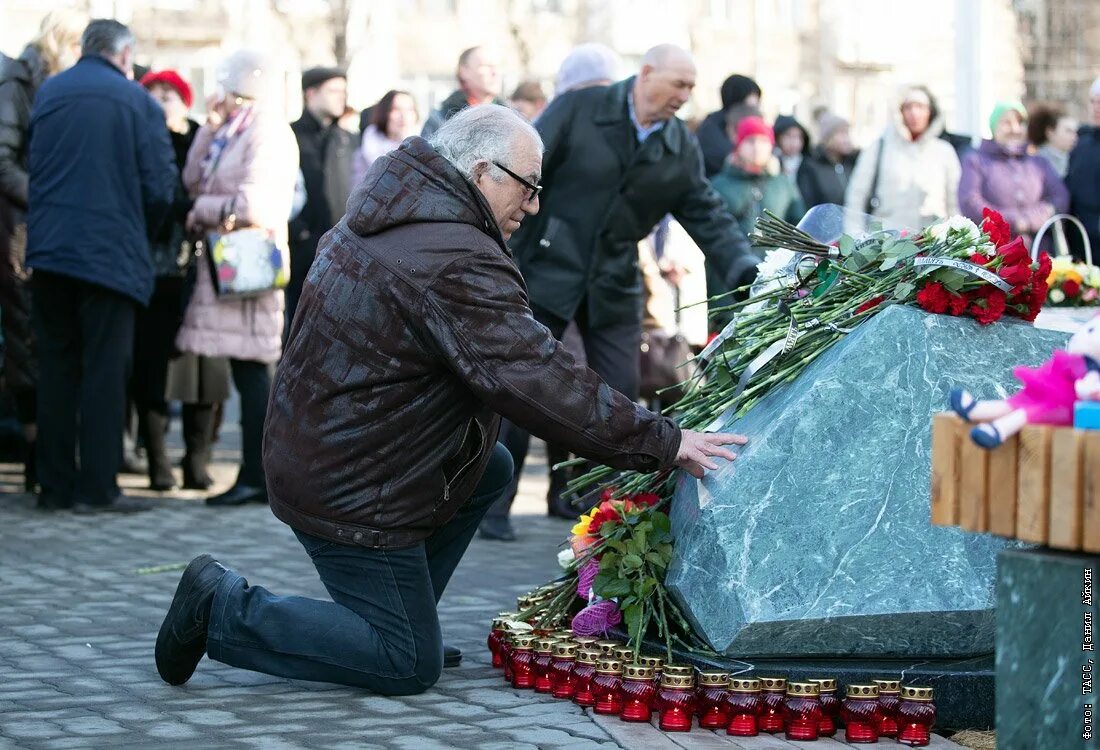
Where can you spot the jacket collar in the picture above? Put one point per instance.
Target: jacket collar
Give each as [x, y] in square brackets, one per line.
[613, 110]
[98, 60]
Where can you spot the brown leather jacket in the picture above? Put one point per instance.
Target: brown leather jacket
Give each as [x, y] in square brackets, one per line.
[413, 333]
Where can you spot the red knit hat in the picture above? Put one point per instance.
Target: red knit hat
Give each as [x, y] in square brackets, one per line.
[751, 126]
[169, 78]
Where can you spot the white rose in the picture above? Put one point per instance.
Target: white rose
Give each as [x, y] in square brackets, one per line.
[565, 557]
[1057, 296]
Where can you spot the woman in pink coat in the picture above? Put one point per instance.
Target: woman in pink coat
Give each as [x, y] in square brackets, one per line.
[243, 162]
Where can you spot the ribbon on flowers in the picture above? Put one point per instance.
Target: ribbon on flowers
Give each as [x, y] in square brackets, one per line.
[971, 268]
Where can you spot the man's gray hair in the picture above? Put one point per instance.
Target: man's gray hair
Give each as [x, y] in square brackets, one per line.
[105, 37]
[487, 131]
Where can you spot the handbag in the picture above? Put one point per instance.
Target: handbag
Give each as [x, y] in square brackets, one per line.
[245, 262]
[664, 361]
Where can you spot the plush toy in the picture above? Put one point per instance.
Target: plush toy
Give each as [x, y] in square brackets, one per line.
[1048, 395]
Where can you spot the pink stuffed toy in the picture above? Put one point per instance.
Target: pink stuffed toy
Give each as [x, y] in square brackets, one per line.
[1048, 395]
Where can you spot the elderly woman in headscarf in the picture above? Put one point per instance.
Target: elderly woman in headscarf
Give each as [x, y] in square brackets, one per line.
[587, 65]
[243, 164]
[55, 49]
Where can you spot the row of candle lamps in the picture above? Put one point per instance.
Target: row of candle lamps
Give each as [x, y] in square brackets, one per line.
[605, 675]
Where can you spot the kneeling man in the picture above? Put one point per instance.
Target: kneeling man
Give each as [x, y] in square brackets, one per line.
[412, 335]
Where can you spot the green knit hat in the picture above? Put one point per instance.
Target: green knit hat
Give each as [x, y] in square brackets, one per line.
[1000, 108]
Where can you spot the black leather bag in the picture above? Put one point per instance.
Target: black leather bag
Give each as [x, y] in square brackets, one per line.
[663, 358]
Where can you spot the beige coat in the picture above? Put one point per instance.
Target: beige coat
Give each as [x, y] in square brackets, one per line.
[255, 175]
[918, 181]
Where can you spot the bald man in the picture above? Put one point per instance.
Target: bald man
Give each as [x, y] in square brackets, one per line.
[617, 161]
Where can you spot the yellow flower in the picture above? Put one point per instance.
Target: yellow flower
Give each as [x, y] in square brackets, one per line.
[1074, 276]
[1061, 263]
[581, 529]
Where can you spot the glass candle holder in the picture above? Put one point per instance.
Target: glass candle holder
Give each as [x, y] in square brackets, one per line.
[607, 647]
[638, 693]
[889, 698]
[522, 660]
[607, 686]
[802, 711]
[562, 662]
[745, 702]
[585, 641]
[774, 694]
[830, 706]
[656, 663]
[916, 716]
[625, 654]
[496, 641]
[861, 714]
[544, 653]
[676, 702]
[584, 670]
[710, 699]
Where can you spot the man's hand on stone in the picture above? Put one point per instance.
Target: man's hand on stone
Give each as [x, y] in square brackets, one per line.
[697, 450]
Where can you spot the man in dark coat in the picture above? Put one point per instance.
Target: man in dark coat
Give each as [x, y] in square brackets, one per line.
[414, 332]
[617, 161]
[102, 178]
[326, 152]
[478, 77]
[712, 134]
[1083, 179]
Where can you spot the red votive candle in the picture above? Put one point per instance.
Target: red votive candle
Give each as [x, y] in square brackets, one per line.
[861, 714]
[676, 701]
[607, 686]
[562, 684]
[638, 693]
[584, 670]
[889, 698]
[710, 699]
[830, 706]
[496, 638]
[544, 652]
[802, 711]
[511, 629]
[585, 641]
[523, 661]
[607, 647]
[916, 716]
[745, 702]
[775, 694]
[657, 663]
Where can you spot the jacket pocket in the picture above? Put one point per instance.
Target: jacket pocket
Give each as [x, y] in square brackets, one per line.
[469, 450]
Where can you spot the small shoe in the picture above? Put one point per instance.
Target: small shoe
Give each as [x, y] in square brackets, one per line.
[452, 656]
[962, 402]
[193, 482]
[498, 529]
[163, 484]
[238, 494]
[181, 641]
[987, 436]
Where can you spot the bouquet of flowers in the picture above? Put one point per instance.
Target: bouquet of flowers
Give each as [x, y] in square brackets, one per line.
[808, 295]
[1072, 284]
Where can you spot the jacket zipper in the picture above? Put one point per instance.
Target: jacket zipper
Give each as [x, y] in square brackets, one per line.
[468, 464]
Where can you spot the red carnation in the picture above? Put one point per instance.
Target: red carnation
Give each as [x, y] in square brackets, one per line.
[933, 297]
[1045, 264]
[1071, 288]
[978, 259]
[1018, 275]
[957, 303]
[989, 305]
[994, 225]
[870, 304]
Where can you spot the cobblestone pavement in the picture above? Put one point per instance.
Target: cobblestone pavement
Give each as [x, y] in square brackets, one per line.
[78, 622]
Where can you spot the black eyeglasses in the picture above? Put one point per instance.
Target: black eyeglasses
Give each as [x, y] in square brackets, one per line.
[535, 189]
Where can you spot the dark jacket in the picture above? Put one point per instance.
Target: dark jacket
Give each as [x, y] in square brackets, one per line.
[102, 178]
[448, 108]
[412, 334]
[714, 142]
[167, 242]
[604, 192]
[821, 180]
[325, 157]
[19, 80]
[748, 195]
[1083, 181]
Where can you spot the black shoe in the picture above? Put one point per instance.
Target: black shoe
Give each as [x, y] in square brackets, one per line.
[181, 641]
[452, 656]
[50, 503]
[163, 484]
[30, 470]
[196, 481]
[496, 528]
[238, 494]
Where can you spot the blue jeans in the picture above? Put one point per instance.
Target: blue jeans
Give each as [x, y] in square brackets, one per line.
[381, 629]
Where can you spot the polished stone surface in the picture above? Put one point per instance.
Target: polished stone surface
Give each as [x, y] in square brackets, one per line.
[816, 541]
[1040, 660]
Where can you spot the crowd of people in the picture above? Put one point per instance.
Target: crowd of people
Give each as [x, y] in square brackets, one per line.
[112, 199]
